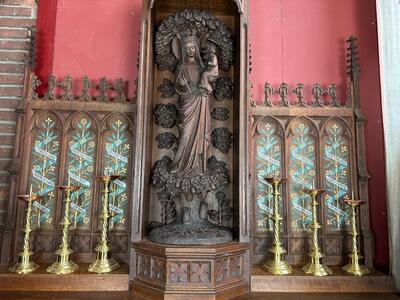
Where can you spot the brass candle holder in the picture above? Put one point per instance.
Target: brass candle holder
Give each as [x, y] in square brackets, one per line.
[277, 264]
[64, 264]
[104, 263]
[354, 267]
[25, 264]
[315, 267]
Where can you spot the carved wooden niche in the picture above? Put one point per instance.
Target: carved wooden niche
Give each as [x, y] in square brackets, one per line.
[222, 24]
[213, 22]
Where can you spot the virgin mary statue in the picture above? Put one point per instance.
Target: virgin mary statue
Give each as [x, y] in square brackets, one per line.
[195, 125]
[193, 85]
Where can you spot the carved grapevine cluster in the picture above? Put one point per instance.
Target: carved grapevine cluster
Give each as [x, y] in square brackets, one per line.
[220, 114]
[167, 89]
[216, 178]
[223, 89]
[222, 139]
[166, 140]
[166, 115]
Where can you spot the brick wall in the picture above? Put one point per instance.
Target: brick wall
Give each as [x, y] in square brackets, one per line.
[16, 16]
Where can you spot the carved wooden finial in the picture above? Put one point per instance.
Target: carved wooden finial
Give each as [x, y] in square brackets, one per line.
[51, 88]
[268, 91]
[66, 84]
[353, 64]
[104, 86]
[30, 57]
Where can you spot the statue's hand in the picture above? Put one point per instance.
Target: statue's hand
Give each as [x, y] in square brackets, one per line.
[183, 81]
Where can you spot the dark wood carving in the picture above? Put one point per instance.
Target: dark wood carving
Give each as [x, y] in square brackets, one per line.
[220, 114]
[165, 115]
[222, 139]
[156, 147]
[206, 270]
[326, 137]
[195, 45]
[167, 89]
[62, 135]
[286, 96]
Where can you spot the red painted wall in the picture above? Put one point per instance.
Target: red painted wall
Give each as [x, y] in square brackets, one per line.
[46, 26]
[97, 38]
[292, 41]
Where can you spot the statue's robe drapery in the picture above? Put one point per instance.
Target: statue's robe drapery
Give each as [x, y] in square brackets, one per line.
[195, 124]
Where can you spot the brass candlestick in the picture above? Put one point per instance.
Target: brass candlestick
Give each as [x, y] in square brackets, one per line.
[64, 265]
[25, 264]
[354, 266]
[277, 264]
[315, 267]
[104, 263]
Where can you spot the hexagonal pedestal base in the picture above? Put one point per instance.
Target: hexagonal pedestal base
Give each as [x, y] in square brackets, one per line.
[198, 272]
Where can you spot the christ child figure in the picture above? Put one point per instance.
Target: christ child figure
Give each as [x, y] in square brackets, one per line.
[210, 75]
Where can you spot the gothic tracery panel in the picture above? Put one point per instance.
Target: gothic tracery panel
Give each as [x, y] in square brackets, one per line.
[268, 162]
[336, 172]
[44, 166]
[302, 170]
[117, 151]
[82, 140]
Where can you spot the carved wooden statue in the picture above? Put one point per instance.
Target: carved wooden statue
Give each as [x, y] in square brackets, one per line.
[185, 181]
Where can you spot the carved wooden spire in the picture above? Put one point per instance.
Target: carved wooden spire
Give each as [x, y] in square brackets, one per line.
[353, 64]
[30, 57]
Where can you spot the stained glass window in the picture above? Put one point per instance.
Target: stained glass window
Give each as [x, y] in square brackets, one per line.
[302, 173]
[336, 171]
[268, 148]
[80, 169]
[117, 154]
[45, 156]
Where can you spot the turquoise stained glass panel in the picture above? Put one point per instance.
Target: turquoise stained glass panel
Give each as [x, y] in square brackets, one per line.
[80, 168]
[117, 155]
[302, 173]
[44, 162]
[268, 147]
[336, 172]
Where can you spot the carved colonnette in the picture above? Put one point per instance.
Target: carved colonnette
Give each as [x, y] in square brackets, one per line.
[313, 142]
[76, 134]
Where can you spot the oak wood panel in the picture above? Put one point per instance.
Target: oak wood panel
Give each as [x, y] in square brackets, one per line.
[82, 280]
[340, 282]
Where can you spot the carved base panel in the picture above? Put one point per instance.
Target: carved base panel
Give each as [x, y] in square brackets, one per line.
[339, 282]
[80, 281]
[199, 272]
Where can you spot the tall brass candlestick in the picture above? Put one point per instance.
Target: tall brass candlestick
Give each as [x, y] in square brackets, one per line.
[104, 263]
[315, 267]
[25, 264]
[277, 264]
[354, 266]
[64, 264]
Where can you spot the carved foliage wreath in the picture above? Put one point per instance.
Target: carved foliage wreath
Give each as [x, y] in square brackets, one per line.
[203, 25]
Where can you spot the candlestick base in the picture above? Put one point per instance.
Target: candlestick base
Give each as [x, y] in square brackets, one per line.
[25, 265]
[63, 265]
[276, 264]
[104, 263]
[316, 267]
[353, 267]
